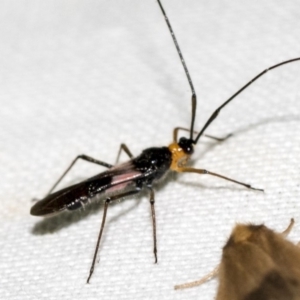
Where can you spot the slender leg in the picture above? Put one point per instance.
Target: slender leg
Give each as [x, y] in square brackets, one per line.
[202, 171]
[204, 279]
[92, 160]
[84, 157]
[175, 135]
[152, 202]
[175, 132]
[107, 201]
[222, 139]
[126, 150]
[287, 231]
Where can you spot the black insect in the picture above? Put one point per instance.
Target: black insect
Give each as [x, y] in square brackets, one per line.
[140, 172]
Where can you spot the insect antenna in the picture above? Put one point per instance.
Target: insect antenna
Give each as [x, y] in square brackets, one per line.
[194, 96]
[217, 111]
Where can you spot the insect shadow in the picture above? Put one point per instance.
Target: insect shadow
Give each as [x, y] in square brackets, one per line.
[267, 121]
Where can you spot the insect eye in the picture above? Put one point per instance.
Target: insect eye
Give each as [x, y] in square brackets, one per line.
[154, 161]
[186, 145]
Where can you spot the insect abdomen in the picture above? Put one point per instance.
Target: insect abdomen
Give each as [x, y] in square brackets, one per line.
[71, 198]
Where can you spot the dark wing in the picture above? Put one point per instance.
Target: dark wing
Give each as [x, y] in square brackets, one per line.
[71, 198]
[75, 196]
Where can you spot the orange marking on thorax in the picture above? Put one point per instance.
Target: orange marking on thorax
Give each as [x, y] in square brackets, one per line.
[179, 158]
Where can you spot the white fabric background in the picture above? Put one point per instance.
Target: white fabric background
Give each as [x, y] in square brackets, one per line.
[84, 76]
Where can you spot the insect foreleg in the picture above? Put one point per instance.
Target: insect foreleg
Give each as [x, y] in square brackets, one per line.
[219, 139]
[204, 279]
[175, 135]
[287, 231]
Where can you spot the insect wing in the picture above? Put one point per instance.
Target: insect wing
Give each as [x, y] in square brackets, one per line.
[75, 196]
[60, 200]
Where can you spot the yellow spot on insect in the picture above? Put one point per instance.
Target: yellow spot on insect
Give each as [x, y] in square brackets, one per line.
[179, 157]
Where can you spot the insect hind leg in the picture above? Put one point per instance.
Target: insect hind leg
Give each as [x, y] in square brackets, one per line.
[83, 157]
[88, 159]
[126, 150]
[91, 160]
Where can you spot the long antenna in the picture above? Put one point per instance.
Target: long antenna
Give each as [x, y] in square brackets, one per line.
[194, 97]
[217, 111]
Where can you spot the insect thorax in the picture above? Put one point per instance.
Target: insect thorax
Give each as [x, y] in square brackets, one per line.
[153, 162]
[179, 156]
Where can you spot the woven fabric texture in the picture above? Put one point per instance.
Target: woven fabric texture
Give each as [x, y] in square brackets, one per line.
[84, 76]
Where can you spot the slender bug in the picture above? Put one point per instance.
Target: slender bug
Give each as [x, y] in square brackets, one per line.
[140, 172]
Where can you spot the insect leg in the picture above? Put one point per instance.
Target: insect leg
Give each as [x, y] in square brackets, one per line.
[107, 201]
[203, 171]
[126, 150]
[152, 202]
[175, 134]
[222, 139]
[84, 157]
[204, 279]
[287, 231]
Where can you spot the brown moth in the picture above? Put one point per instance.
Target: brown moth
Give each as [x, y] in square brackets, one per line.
[257, 264]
